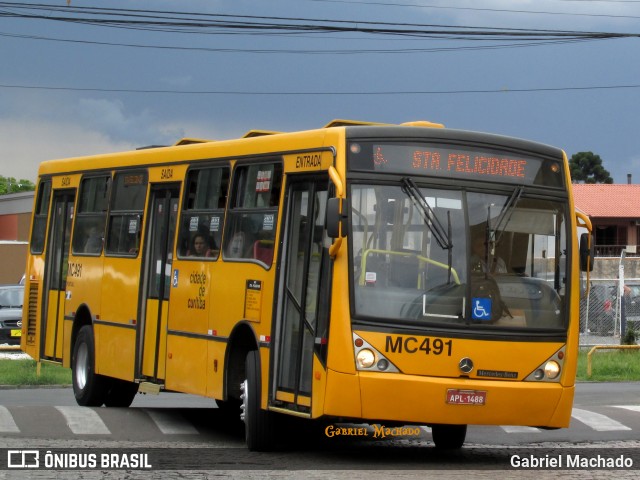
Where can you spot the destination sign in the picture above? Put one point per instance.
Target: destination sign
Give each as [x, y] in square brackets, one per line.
[453, 162]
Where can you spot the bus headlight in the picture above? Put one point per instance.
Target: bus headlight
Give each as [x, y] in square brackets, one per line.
[365, 358]
[552, 369]
[369, 359]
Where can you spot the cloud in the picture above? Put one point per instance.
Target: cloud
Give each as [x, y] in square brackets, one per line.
[111, 118]
[24, 145]
[35, 127]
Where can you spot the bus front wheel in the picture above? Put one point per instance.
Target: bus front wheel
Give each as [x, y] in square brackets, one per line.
[449, 437]
[258, 425]
[89, 388]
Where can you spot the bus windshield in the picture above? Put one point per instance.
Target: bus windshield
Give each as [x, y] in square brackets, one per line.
[458, 258]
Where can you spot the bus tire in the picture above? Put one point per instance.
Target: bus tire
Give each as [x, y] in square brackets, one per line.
[449, 437]
[121, 393]
[258, 425]
[89, 388]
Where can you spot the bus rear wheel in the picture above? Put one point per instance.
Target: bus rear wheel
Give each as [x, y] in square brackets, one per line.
[449, 437]
[89, 388]
[258, 423]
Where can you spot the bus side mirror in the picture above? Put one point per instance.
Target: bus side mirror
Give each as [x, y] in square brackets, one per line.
[587, 252]
[336, 217]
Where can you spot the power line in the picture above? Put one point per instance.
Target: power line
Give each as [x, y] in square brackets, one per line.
[166, 21]
[347, 51]
[311, 93]
[486, 9]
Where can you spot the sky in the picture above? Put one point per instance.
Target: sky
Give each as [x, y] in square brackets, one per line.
[71, 88]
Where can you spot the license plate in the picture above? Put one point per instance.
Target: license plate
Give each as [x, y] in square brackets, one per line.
[16, 333]
[466, 397]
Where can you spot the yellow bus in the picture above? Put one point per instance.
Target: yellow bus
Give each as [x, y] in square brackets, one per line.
[368, 273]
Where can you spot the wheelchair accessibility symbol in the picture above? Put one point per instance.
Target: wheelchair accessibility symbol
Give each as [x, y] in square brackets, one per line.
[481, 309]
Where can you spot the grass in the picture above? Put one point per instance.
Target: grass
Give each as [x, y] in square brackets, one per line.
[606, 366]
[24, 372]
[610, 366]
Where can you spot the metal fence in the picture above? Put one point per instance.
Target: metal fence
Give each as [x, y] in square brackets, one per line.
[612, 305]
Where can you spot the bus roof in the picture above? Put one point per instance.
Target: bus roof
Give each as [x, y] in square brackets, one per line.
[244, 145]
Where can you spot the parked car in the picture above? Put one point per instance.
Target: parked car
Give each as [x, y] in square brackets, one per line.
[632, 304]
[11, 297]
[599, 318]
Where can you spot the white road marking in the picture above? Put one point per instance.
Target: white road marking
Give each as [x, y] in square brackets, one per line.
[86, 421]
[7, 424]
[519, 429]
[597, 421]
[633, 408]
[171, 424]
[83, 421]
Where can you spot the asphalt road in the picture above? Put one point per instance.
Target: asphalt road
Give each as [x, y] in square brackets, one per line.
[187, 437]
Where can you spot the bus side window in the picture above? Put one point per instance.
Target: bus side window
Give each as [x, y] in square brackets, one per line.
[251, 226]
[40, 217]
[203, 213]
[88, 233]
[125, 216]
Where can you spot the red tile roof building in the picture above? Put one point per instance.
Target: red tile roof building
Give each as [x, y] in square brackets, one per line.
[600, 200]
[614, 211]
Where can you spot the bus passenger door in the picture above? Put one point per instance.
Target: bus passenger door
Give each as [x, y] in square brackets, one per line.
[55, 276]
[161, 227]
[300, 328]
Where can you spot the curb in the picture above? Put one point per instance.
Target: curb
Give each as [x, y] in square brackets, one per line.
[21, 387]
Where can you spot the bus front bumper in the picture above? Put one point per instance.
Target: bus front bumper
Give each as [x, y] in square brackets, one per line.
[411, 399]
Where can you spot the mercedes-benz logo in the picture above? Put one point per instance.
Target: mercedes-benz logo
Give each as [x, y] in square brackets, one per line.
[465, 365]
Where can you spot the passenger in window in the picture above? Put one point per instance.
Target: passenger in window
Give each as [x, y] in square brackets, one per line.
[240, 244]
[94, 241]
[479, 258]
[237, 247]
[199, 246]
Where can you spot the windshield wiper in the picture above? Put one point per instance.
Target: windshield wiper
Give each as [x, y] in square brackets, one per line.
[442, 236]
[506, 209]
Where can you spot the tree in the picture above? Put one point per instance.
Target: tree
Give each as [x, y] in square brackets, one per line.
[587, 167]
[11, 185]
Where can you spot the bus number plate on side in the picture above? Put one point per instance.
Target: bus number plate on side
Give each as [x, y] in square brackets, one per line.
[466, 397]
